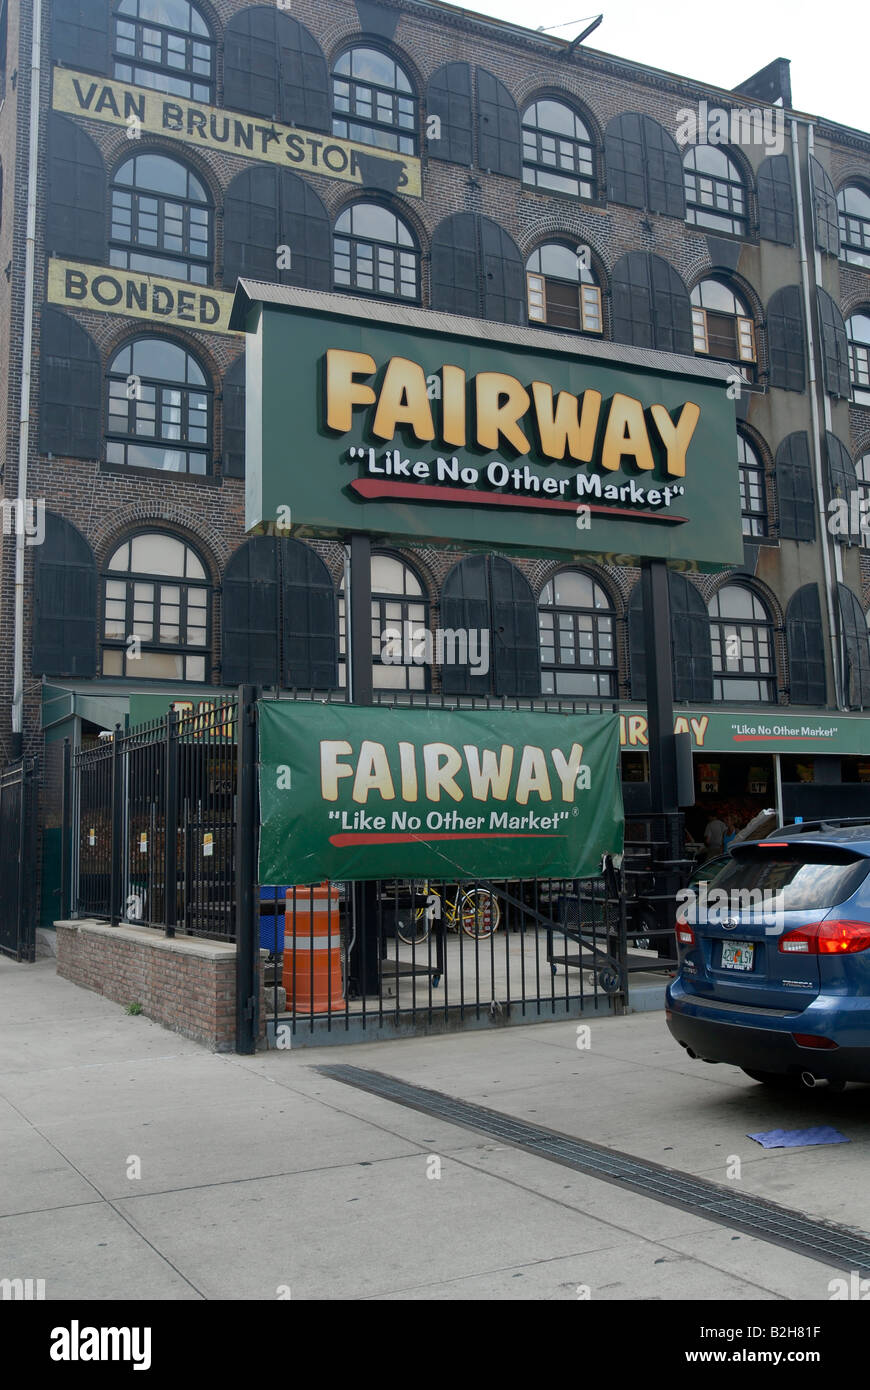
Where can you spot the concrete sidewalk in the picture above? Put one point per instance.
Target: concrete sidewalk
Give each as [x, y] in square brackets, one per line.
[258, 1176]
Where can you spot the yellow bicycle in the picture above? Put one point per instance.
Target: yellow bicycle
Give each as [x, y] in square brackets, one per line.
[475, 911]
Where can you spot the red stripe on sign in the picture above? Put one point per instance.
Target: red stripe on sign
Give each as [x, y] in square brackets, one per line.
[426, 492]
[375, 838]
[762, 738]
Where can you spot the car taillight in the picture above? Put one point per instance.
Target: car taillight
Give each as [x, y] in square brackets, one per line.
[827, 939]
[685, 935]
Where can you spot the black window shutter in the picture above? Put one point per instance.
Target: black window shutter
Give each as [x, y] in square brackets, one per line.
[465, 604]
[503, 275]
[625, 160]
[631, 298]
[64, 603]
[455, 266]
[75, 220]
[274, 67]
[70, 388]
[251, 79]
[304, 226]
[842, 478]
[251, 232]
[825, 211]
[636, 644]
[857, 648]
[690, 642]
[80, 32]
[806, 647]
[516, 649]
[835, 348]
[448, 96]
[268, 208]
[666, 189]
[233, 393]
[310, 626]
[671, 308]
[498, 127]
[690, 636]
[794, 489]
[250, 636]
[775, 200]
[786, 339]
[305, 92]
[651, 306]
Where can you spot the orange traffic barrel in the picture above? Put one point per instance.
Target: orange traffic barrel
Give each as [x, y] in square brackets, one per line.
[312, 949]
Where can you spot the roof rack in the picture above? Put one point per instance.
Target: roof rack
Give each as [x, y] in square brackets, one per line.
[829, 823]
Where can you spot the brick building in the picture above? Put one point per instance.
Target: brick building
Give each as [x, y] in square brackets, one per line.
[154, 151]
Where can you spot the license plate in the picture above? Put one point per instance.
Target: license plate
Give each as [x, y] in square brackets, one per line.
[737, 955]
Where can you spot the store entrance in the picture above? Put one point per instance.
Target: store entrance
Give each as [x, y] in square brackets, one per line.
[731, 790]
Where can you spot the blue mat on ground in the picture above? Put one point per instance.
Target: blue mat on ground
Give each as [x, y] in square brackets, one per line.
[797, 1138]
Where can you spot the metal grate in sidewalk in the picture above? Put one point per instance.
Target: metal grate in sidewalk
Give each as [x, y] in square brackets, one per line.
[817, 1240]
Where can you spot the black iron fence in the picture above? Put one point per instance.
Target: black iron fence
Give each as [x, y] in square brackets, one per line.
[154, 824]
[157, 842]
[365, 959]
[18, 792]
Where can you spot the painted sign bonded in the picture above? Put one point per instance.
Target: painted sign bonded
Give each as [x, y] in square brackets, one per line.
[199, 125]
[348, 792]
[108, 290]
[397, 427]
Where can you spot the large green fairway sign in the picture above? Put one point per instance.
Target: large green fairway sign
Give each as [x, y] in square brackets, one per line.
[365, 793]
[425, 427]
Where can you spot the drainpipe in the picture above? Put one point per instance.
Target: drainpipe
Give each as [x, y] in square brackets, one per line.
[814, 408]
[826, 400]
[26, 369]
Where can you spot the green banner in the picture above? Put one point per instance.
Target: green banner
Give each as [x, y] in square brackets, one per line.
[365, 793]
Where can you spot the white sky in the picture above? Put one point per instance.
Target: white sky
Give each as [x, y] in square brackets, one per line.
[724, 43]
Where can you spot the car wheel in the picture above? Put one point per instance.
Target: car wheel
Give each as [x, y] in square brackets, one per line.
[780, 1081]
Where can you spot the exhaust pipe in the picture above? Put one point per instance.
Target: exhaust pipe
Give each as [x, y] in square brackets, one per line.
[811, 1081]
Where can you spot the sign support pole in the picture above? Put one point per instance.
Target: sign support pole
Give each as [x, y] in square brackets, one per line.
[364, 958]
[658, 656]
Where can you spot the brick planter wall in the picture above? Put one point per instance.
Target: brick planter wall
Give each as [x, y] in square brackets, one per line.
[187, 984]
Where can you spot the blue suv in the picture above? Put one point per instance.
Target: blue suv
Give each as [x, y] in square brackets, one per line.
[774, 947]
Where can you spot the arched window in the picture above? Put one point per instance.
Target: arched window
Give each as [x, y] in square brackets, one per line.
[401, 653]
[557, 150]
[721, 323]
[374, 252]
[576, 622]
[715, 193]
[373, 101]
[159, 408]
[854, 209]
[166, 45]
[741, 636]
[858, 339]
[156, 590]
[562, 292]
[161, 220]
[753, 491]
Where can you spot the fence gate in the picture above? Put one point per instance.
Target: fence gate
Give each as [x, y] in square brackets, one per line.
[18, 786]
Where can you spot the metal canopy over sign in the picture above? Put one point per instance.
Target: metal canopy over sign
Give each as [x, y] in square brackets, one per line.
[428, 427]
[367, 793]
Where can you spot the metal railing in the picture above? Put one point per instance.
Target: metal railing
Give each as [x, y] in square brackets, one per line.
[154, 824]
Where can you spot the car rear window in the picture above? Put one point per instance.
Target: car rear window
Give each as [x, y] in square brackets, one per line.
[808, 876]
